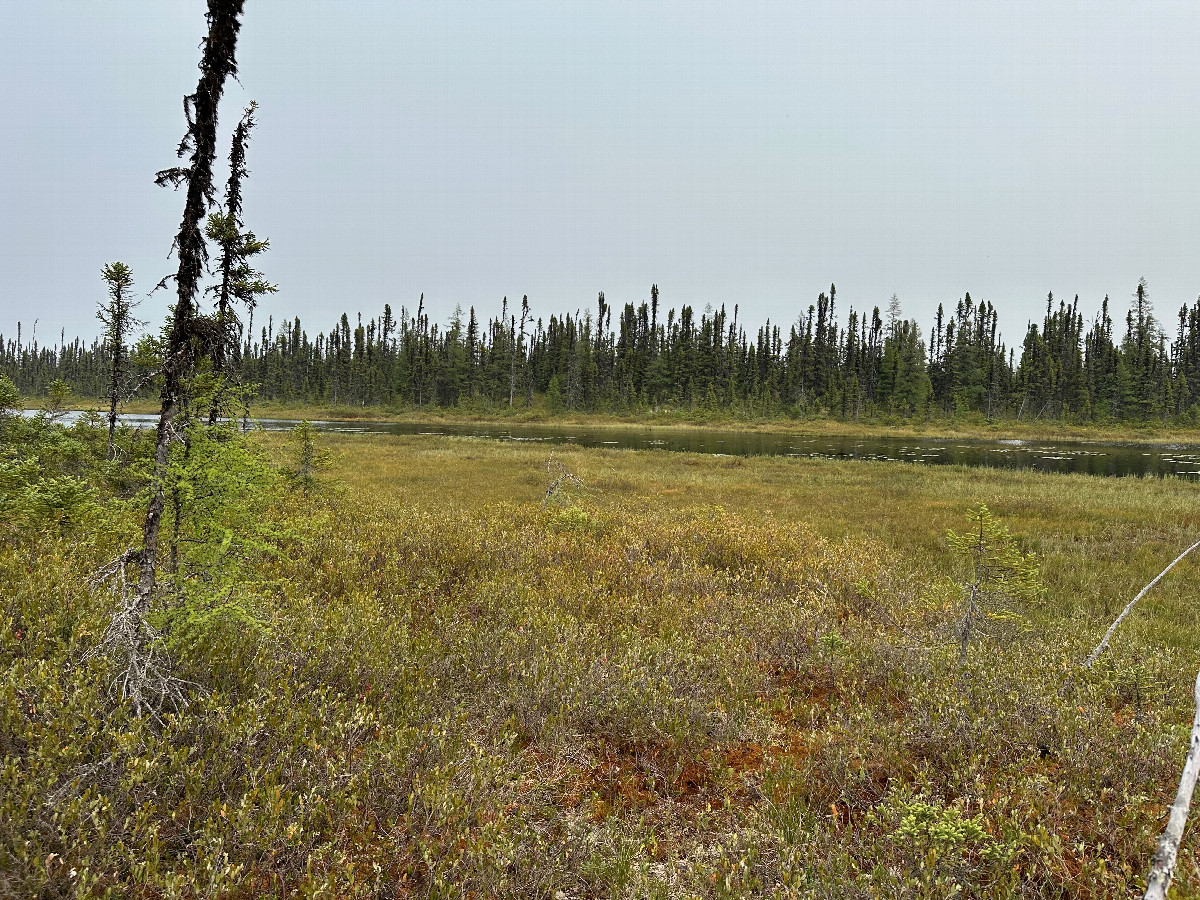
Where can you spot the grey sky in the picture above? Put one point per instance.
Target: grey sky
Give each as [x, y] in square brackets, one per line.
[744, 153]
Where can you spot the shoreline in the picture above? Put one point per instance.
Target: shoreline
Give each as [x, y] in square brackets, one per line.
[539, 417]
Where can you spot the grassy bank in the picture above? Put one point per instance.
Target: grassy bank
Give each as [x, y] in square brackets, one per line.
[686, 677]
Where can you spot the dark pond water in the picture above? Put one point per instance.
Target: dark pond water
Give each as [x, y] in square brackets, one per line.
[1091, 458]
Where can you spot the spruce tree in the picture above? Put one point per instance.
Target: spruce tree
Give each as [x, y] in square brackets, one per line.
[145, 681]
[240, 281]
[117, 317]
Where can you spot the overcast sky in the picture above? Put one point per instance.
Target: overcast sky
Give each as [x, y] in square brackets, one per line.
[747, 153]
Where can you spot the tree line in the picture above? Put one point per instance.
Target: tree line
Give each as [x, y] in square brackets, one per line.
[650, 360]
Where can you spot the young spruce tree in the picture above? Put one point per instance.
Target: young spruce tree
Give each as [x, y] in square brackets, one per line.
[240, 281]
[117, 318]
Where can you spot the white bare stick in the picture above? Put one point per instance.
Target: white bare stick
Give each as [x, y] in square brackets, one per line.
[1162, 869]
[1103, 645]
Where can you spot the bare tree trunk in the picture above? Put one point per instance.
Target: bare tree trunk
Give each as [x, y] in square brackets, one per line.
[113, 396]
[154, 509]
[1162, 869]
[177, 504]
[112, 411]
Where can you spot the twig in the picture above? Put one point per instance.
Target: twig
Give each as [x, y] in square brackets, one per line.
[115, 569]
[559, 475]
[1162, 869]
[1103, 645]
[133, 391]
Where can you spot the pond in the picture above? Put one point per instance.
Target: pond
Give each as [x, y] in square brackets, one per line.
[1088, 457]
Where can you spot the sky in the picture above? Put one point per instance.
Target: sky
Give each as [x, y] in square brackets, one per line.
[747, 154]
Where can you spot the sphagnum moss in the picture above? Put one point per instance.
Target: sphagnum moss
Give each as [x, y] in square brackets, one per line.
[697, 678]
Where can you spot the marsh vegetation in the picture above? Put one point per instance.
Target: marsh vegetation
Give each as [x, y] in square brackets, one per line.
[413, 675]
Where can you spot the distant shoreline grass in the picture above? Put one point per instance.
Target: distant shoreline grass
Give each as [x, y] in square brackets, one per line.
[1150, 433]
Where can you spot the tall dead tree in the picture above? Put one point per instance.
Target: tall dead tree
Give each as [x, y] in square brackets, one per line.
[217, 63]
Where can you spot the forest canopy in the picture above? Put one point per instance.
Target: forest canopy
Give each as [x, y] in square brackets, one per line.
[651, 359]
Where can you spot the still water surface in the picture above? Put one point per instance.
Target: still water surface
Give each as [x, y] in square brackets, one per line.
[1088, 457]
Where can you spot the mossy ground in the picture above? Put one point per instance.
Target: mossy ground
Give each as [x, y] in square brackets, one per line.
[691, 677]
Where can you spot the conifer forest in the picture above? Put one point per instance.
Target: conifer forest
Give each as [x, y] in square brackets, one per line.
[1074, 365]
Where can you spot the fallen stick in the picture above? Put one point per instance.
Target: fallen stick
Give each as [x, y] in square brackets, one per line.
[565, 476]
[1162, 869]
[1103, 645]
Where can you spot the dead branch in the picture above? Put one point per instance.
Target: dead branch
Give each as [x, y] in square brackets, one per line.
[133, 391]
[143, 677]
[144, 674]
[1103, 645]
[1162, 869]
[559, 476]
[115, 570]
